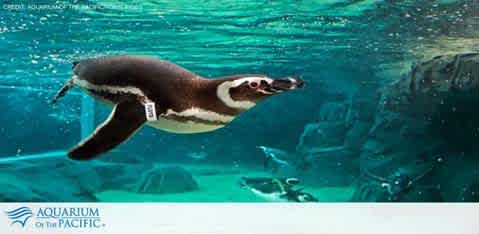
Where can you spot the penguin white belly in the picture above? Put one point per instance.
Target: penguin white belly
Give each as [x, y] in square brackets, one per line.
[271, 197]
[188, 127]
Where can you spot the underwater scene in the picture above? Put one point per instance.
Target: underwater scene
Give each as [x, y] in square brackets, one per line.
[239, 101]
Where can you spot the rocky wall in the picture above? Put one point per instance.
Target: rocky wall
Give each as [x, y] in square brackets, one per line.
[422, 145]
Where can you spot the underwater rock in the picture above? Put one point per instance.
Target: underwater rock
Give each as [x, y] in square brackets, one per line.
[333, 111]
[119, 176]
[458, 176]
[160, 180]
[48, 180]
[335, 119]
[333, 168]
[331, 147]
[63, 192]
[432, 83]
[83, 173]
[420, 118]
[321, 135]
[41, 186]
[357, 135]
[54, 186]
[15, 189]
[360, 118]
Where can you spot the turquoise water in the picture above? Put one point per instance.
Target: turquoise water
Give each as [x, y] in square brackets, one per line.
[344, 50]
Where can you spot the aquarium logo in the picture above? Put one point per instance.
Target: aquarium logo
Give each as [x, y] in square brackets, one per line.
[20, 215]
[57, 217]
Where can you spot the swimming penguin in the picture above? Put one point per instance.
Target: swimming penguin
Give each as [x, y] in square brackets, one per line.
[274, 158]
[276, 190]
[144, 90]
[401, 182]
[277, 158]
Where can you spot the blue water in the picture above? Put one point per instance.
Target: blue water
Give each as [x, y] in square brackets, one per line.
[342, 49]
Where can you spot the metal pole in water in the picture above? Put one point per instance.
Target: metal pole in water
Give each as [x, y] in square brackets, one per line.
[86, 124]
[52, 154]
[87, 116]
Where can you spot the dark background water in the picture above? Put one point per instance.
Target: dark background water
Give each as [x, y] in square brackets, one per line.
[341, 48]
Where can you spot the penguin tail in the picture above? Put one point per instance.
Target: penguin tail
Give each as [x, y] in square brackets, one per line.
[63, 90]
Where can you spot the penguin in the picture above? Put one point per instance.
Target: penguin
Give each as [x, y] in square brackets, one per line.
[277, 158]
[149, 91]
[274, 158]
[276, 190]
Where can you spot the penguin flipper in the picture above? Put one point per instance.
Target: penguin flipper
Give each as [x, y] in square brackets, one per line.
[125, 119]
[266, 162]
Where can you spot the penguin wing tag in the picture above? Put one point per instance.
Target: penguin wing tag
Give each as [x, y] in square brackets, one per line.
[125, 119]
[150, 111]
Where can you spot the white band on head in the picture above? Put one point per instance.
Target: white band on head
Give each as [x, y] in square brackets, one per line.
[224, 95]
[223, 92]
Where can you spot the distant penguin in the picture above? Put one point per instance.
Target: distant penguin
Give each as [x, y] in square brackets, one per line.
[276, 190]
[160, 94]
[274, 158]
[277, 158]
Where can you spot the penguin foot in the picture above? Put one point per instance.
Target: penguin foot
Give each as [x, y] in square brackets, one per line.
[62, 91]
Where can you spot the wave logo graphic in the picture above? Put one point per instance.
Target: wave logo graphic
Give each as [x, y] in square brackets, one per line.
[20, 215]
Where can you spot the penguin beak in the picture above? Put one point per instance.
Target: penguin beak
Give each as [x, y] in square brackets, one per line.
[284, 84]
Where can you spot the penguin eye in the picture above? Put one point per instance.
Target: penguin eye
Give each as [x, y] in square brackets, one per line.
[254, 84]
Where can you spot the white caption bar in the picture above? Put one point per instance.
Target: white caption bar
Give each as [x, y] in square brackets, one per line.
[247, 218]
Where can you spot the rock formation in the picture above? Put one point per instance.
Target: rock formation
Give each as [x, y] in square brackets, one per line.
[425, 134]
[160, 180]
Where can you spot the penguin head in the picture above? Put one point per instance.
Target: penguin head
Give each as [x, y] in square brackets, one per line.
[292, 181]
[400, 182]
[244, 91]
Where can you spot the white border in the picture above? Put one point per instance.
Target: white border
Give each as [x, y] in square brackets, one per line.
[266, 218]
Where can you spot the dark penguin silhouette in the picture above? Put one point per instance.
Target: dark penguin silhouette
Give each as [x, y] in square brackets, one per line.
[144, 90]
[276, 189]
